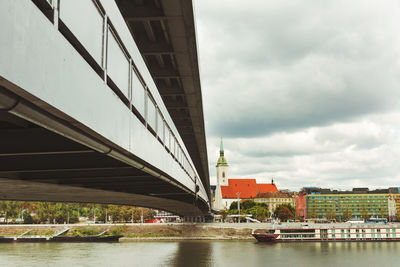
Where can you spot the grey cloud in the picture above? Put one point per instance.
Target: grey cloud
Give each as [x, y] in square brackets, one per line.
[271, 68]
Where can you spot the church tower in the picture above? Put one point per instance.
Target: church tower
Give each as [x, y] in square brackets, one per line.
[222, 167]
[222, 178]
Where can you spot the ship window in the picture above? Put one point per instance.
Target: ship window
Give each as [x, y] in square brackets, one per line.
[342, 235]
[333, 236]
[393, 230]
[393, 235]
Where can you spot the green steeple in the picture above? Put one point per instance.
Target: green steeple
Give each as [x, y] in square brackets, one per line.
[221, 160]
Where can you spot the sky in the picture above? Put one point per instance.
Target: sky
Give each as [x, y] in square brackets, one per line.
[306, 92]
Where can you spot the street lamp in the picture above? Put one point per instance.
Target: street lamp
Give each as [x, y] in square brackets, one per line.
[238, 204]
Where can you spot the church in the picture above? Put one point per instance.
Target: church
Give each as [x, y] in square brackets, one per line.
[229, 190]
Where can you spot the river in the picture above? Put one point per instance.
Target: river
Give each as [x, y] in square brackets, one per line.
[201, 253]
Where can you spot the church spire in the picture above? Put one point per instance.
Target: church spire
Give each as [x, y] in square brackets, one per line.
[221, 160]
[221, 149]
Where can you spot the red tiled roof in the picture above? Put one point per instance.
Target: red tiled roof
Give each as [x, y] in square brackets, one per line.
[267, 188]
[248, 188]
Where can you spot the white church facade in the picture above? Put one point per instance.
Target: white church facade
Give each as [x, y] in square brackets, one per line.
[230, 190]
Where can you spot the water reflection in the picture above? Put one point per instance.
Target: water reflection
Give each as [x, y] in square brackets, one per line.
[202, 253]
[192, 253]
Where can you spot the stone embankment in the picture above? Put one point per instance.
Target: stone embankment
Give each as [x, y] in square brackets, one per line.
[140, 232]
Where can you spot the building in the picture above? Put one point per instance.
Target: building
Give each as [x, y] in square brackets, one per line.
[301, 205]
[230, 190]
[361, 203]
[274, 199]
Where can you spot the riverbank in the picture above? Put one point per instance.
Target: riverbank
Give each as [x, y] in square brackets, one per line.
[142, 232]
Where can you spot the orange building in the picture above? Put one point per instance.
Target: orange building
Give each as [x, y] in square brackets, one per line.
[301, 205]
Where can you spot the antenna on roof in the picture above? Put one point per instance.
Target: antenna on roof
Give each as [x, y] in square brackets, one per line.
[272, 182]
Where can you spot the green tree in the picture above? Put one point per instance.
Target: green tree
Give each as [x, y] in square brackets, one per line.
[331, 214]
[258, 212]
[126, 213]
[247, 204]
[347, 214]
[26, 216]
[224, 213]
[114, 212]
[234, 205]
[364, 214]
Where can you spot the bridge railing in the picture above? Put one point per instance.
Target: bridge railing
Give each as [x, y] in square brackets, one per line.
[89, 29]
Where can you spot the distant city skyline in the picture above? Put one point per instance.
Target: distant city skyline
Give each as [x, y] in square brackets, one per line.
[305, 92]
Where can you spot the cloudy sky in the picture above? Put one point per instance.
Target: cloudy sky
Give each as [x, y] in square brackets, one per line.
[305, 92]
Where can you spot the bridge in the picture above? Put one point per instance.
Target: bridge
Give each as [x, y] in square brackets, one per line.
[100, 101]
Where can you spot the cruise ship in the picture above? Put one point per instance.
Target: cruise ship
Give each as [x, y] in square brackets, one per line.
[329, 233]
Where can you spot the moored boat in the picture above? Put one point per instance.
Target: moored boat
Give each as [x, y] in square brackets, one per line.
[328, 233]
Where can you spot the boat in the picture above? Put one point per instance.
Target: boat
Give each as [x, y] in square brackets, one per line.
[328, 233]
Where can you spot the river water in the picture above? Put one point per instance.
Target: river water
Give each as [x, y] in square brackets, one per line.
[201, 253]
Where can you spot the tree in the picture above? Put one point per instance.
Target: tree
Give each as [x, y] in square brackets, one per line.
[234, 205]
[26, 216]
[285, 212]
[114, 212]
[247, 204]
[364, 214]
[11, 210]
[331, 215]
[258, 212]
[347, 214]
[224, 213]
[382, 213]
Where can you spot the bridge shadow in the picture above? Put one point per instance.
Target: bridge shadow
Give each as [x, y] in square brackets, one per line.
[192, 253]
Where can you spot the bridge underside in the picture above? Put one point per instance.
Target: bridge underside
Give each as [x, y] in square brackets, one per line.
[37, 164]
